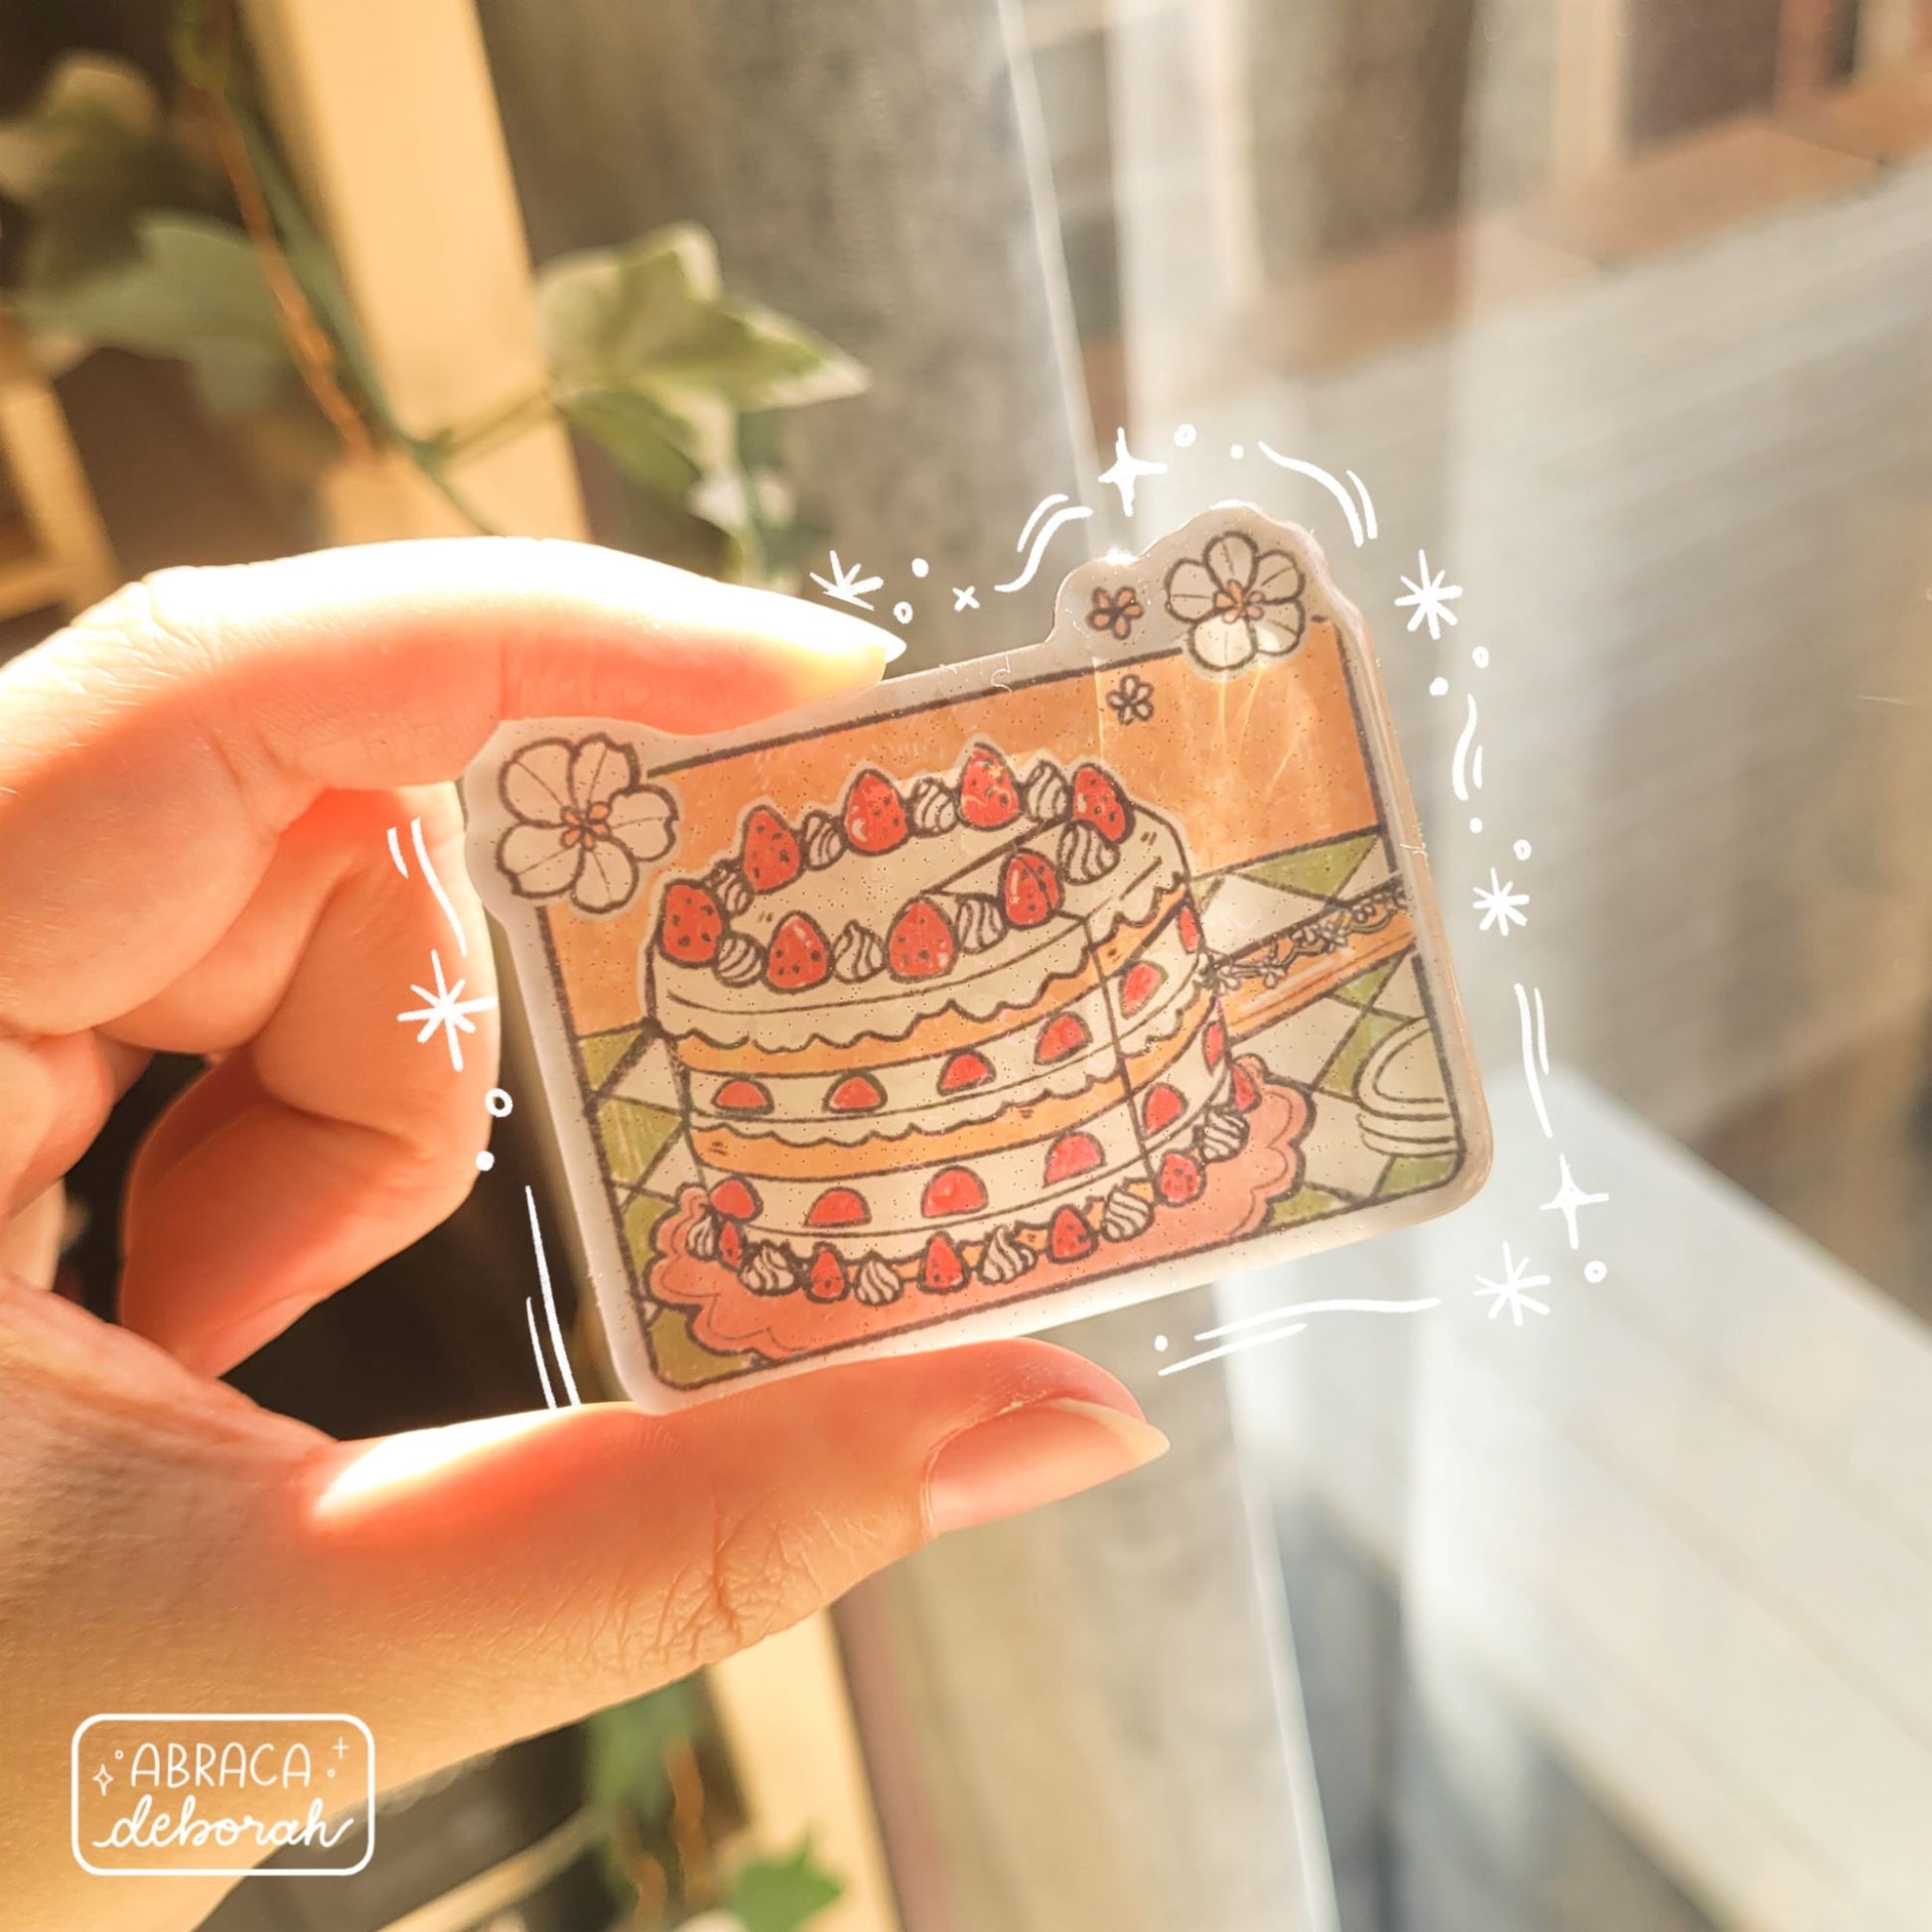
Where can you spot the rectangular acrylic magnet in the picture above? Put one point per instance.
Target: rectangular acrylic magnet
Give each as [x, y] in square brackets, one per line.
[998, 994]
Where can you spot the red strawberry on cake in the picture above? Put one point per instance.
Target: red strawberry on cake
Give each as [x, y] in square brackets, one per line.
[769, 858]
[989, 794]
[798, 955]
[1030, 889]
[1097, 801]
[874, 814]
[921, 945]
[690, 924]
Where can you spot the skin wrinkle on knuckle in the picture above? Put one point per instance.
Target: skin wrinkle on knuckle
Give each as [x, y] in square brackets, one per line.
[743, 1572]
[183, 628]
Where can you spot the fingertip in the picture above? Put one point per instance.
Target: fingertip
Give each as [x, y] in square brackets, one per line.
[851, 652]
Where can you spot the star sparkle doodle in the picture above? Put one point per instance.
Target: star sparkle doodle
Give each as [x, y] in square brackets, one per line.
[1569, 1198]
[446, 1010]
[1429, 600]
[1501, 905]
[1126, 471]
[1510, 1293]
[847, 585]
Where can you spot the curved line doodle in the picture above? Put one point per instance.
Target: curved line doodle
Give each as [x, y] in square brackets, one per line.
[550, 1305]
[1458, 771]
[436, 886]
[1326, 482]
[536, 1349]
[1048, 530]
[1038, 510]
[1368, 502]
[1280, 1334]
[1535, 1048]
[1348, 1306]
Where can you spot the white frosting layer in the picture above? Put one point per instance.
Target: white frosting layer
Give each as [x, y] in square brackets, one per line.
[1014, 1176]
[800, 1111]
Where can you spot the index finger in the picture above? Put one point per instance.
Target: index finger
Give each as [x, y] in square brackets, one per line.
[173, 731]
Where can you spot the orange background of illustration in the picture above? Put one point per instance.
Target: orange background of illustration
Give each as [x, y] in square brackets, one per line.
[1248, 765]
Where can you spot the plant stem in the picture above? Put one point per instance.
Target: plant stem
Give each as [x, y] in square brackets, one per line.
[309, 345]
[499, 426]
[430, 461]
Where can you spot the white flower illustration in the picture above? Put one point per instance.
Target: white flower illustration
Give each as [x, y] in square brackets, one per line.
[1236, 600]
[584, 822]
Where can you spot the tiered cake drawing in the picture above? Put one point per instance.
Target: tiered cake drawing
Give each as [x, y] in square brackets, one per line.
[943, 1034]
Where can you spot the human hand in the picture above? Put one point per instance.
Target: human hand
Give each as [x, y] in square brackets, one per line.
[194, 782]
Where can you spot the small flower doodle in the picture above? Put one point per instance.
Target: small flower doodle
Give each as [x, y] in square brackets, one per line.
[1133, 700]
[1237, 600]
[584, 822]
[1117, 611]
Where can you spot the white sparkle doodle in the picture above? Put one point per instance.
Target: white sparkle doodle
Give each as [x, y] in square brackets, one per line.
[447, 1010]
[1536, 1052]
[1127, 471]
[965, 600]
[1569, 1198]
[1429, 600]
[847, 586]
[1501, 905]
[1510, 1293]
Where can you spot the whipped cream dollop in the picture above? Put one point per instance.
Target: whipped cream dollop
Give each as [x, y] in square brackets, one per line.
[1125, 1215]
[858, 952]
[877, 1283]
[771, 1271]
[1048, 792]
[1085, 855]
[740, 959]
[702, 1240]
[729, 886]
[978, 921]
[1223, 1132]
[1005, 1258]
[933, 807]
[822, 839]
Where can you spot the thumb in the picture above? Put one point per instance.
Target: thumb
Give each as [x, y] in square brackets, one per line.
[462, 1586]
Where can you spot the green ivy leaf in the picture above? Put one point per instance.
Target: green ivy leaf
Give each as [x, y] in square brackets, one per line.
[85, 159]
[647, 444]
[650, 318]
[193, 289]
[625, 1754]
[782, 1894]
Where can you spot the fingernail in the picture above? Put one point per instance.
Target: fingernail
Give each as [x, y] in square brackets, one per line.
[895, 649]
[1034, 1455]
